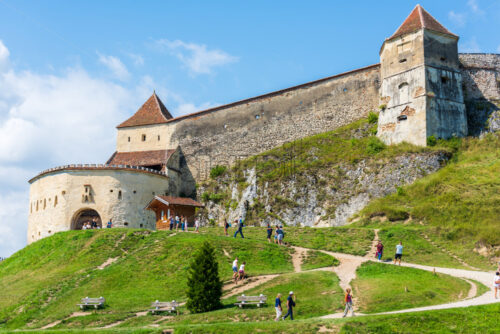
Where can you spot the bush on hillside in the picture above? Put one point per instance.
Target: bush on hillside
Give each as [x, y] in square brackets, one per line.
[372, 117]
[204, 285]
[431, 141]
[374, 146]
[217, 171]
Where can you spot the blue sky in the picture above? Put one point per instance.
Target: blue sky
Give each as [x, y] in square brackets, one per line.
[70, 71]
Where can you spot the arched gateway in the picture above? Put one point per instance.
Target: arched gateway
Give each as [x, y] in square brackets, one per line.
[85, 216]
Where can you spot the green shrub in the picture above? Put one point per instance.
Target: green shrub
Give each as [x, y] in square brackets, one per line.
[372, 117]
[216, 198]
[396, 214]
[431, 141]
[382, 106]
[374, 146]
[400, 191]
[205, 197]
[204, 285]
[217, 171]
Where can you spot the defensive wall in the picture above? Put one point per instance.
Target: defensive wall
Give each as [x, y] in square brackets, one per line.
[59, 195]
[224, 134]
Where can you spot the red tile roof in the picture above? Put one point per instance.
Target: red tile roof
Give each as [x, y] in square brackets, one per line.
[140, 158]
[171, 200]
[418, 19]
[153, 111]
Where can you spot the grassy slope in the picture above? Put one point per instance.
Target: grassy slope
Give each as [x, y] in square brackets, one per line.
[62, 269]
[355, 241]
[381, 287]
[315, 259]
[458, 205]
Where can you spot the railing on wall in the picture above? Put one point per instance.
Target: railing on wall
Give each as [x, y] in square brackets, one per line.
[99, 166]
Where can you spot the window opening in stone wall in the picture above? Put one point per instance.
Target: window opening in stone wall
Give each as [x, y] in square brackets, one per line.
[119, 194]
[44, 203]
[50, 231]
[129, 139]
[143, 137]
[162, 214]
[36, 205]
[140, 225]
[402, 60]
[444, 79]
[134, 191]
[126, 224]
[55, 201]
[158, 137]
[403, 93]
[110, 190]
[31, 207]
[38, 233]
[63, 192]
[402, 118]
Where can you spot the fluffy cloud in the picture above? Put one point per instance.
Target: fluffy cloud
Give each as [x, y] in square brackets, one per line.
[197, 57]
[457, 18]
[4, 57]
[137, 59]
[115, 65]
[474, 7]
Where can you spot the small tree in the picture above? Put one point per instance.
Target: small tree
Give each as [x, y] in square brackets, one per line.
[204, 285]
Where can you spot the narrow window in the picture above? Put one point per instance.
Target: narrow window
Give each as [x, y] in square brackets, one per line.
[402, 60]
[402, 118]
[404, 92]
[143, 137]
[50, 231]
[38, 233]
[55, 201]
[119, 194]
[36, 205]
[44, 203]
[134, 191]
[162, 214]
[158, 137]
[129, 139]
[168, 213]
[31, 207]
[140, 225]
[126, 224]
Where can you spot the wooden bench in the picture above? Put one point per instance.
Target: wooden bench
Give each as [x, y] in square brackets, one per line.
[88, 302]
[169, 307]
[251, 300]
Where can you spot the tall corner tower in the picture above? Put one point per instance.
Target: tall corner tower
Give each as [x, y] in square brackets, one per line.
[421, 83]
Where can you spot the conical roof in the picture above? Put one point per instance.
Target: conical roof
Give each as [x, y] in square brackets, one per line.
[153, 111]
[418, 19]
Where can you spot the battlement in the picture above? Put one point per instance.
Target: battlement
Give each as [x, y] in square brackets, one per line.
[97, 167]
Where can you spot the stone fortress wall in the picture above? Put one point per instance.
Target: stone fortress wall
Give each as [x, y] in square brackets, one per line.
[59, 195]
[224, 134]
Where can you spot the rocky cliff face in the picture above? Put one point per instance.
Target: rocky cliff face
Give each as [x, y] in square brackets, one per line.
[302, 193]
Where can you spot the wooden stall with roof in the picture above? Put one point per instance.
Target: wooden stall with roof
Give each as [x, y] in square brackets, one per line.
[165, 207]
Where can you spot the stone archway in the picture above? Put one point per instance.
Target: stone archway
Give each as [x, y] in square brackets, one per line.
[85, 216]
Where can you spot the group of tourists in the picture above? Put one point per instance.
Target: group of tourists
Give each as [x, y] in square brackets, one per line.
[290, 304]
[397, 256]
[238, 274]
[279, 234]
[182, 223]
[91, 225]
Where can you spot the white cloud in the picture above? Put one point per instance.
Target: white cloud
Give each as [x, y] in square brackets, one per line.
[458, 19]
[137, 59]
[115, 65]
[474, 6]
[197, 57]
[498, 49]
[470, 46]
[13, 221]
[4, 57]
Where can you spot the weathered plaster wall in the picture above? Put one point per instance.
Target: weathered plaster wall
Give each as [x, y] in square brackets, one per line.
[245, 129]
[137, 189]
[131, 139]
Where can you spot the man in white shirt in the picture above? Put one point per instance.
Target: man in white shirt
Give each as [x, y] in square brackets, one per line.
[235, 270]
[399, 253]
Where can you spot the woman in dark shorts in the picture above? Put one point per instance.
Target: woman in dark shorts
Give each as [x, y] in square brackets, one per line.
[269, 232]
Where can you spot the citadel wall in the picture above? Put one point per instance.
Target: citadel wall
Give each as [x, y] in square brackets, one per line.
[57, 197]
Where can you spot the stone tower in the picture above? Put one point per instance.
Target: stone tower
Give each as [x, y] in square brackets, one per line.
[421, 83]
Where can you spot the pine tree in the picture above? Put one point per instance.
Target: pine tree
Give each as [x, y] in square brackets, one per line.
[204, 285]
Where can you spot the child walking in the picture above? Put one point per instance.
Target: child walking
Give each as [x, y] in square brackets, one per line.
[348, 302]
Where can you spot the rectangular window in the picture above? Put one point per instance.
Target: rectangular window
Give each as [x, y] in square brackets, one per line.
[143, 137]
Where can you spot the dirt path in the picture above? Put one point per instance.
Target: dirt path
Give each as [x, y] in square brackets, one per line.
[57, 322]
[250, 283]
[297, 258]
[109, 261]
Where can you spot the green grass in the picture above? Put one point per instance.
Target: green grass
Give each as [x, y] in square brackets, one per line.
[44, 281]
[315, 259]
[476, 319]
[459, 205]
[380, 287]
[322, 297]
[355, 241]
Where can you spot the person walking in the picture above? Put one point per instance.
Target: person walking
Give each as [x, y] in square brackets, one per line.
[240, 229]
[276, 234]
[110, 223]
[241, 272]
[497, 283]
[380, 250]
[177, 222]
[235, 270]
[269, 232]
[226, 226]
[172, 221]
[399, 253]
[348, 302]
[280, 235]
[197, 225]
[290, 304]
[277, 306]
